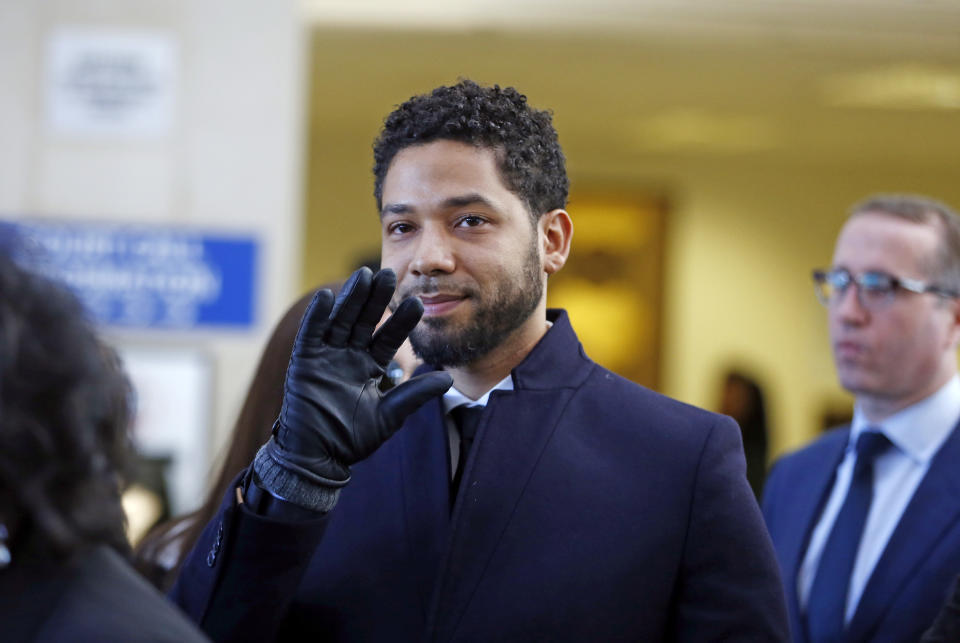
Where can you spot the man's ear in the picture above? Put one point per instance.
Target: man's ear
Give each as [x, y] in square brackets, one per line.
[556, 231]
[954, 305]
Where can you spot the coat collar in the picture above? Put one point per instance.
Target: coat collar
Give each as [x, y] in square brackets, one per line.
[556, 361]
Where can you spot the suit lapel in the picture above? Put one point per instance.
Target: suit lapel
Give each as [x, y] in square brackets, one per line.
[931, 511]
[810, 503]
[803, 501]
[513, 432]
[425, 484]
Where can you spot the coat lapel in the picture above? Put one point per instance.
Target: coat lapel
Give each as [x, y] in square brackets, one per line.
[425, 484]
[514, 430]
[513, 433]
[932, 510]
[805, 503]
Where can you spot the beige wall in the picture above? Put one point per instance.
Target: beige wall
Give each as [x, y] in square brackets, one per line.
[230, 163]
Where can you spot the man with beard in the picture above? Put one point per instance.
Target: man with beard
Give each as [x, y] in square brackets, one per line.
[541, 497]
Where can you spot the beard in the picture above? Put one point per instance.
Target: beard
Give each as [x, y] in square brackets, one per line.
[440, 342]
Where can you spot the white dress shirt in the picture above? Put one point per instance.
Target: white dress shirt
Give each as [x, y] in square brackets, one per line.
[454, 398]
[916, 433]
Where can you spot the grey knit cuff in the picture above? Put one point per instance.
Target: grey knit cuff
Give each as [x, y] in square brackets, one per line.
[287, 485]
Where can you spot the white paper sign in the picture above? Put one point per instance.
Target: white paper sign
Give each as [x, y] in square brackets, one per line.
[107, 83]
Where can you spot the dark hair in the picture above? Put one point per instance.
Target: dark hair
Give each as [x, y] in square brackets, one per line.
[65, 414]
[530, 159]
[254, 423]
[920, 209]
[743, 400]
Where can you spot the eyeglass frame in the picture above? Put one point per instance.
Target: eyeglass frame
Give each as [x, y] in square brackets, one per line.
[820, 277]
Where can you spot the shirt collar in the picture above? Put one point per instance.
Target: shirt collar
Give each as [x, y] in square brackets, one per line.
[920, 429]
[454, 398]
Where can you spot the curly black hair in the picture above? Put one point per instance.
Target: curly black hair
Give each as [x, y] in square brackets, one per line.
[531, 162]
[65, 411]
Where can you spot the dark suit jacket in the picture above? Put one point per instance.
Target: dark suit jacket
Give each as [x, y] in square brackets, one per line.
[96, 597]
[591, 509]
[914, 572]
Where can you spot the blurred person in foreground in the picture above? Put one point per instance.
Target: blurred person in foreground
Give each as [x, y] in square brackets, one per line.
[866, 520]
[541, 497]
[64, 421]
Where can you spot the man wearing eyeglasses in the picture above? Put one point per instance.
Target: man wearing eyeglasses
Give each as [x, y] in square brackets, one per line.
[866, 520]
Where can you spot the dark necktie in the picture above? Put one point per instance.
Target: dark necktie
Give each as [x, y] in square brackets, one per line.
[828, 595]
[467, 419]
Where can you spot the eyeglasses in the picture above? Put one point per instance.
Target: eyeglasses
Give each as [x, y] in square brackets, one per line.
[875, 289]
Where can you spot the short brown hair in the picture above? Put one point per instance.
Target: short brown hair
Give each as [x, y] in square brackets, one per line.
[920, 209]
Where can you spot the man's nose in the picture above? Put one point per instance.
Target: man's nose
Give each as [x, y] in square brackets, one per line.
[434, 253]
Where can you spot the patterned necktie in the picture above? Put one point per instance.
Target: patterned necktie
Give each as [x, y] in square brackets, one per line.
[828, 595]
[467, 419]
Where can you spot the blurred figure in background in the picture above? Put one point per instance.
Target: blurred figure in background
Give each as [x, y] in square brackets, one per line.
[866, 520]
[742, 399]
[64, 418]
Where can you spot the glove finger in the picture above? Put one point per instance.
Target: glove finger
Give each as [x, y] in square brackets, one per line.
[381, 291]
[348, 306]
[395, 330]
[401, 401]
[314, 321]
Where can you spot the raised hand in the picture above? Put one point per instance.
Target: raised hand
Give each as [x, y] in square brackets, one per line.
[333, 412]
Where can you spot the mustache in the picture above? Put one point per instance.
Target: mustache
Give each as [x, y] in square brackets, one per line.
[429, 286]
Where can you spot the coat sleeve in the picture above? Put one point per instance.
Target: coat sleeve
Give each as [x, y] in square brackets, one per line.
[239, 580]
[730, 587]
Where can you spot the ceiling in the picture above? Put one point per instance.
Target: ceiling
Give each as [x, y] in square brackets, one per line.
[862, 20]
[651, 82]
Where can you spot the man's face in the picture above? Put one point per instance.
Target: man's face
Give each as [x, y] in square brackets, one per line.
[465, 245]
[904, 351]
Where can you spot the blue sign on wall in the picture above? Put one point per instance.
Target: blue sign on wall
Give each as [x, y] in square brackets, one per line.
[146, 277]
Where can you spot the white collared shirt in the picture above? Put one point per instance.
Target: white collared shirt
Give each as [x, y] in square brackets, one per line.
[917, 433]
[454, 398]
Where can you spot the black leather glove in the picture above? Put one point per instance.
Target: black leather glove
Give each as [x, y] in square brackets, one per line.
[334, 413]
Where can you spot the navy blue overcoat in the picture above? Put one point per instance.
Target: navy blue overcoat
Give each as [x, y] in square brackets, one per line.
[592, 509]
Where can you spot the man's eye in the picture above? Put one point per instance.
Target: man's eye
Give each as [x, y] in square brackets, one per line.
[399, 228]
[471, 221]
